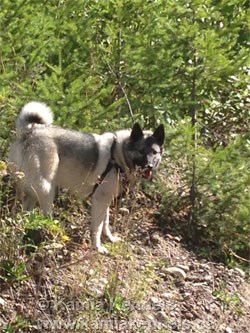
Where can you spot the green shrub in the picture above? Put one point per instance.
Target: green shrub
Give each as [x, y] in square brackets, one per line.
[218, 218]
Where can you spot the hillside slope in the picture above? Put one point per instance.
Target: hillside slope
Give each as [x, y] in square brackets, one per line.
[149, 283]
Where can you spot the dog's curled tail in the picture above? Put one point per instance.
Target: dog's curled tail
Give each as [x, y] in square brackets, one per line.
[34, 113]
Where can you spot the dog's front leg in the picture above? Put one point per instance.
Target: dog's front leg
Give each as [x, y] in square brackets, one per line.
[98, 214]
[101, 201]
[107, 231]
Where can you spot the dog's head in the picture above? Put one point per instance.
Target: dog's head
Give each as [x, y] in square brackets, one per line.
[145, 149]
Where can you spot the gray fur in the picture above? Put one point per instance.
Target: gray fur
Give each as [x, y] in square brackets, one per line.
[50, 157]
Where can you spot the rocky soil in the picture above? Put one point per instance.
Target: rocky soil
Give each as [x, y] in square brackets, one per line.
[148, 283]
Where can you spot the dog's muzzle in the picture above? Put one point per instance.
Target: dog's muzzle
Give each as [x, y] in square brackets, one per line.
[147, 172]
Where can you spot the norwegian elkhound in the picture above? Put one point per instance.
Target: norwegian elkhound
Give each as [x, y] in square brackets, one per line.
[87, 164]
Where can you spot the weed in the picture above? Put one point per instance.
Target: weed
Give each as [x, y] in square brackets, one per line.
[120, 249]
[227, 298]
[17, 325]
[115, 302]
[11, 271]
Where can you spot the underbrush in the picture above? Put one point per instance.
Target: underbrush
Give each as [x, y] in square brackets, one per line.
[50, 267]
[48, 264]
[206, 196]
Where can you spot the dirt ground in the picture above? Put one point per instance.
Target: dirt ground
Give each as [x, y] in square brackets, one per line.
[150, 282]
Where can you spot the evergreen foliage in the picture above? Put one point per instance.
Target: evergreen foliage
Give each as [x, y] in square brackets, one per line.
[217, 222]
[103, 64]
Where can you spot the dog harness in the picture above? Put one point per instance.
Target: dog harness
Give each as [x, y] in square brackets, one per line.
[111, 164]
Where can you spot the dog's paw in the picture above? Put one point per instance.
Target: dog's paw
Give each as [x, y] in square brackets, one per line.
[102, 250]
[115, 239]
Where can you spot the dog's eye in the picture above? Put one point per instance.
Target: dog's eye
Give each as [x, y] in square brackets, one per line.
[154, 152]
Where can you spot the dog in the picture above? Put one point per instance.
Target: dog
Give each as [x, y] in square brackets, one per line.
[89, 165]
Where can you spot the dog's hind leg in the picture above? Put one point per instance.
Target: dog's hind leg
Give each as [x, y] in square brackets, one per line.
[44, 186]
[42, 192]
[29, 200]
[46, 194]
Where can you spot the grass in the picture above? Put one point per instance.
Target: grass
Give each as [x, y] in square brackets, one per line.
[20, 324]
[96, 288]
[55, 278]
[230, 300]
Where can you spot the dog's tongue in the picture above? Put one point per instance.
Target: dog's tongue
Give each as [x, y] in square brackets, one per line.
[147, 174]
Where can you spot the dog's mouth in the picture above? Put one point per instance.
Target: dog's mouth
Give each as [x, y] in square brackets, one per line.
[147, 172]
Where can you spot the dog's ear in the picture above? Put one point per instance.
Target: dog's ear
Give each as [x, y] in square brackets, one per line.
[159, 134]
[136, 133]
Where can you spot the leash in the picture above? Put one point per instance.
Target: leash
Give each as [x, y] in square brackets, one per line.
[111, 164]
